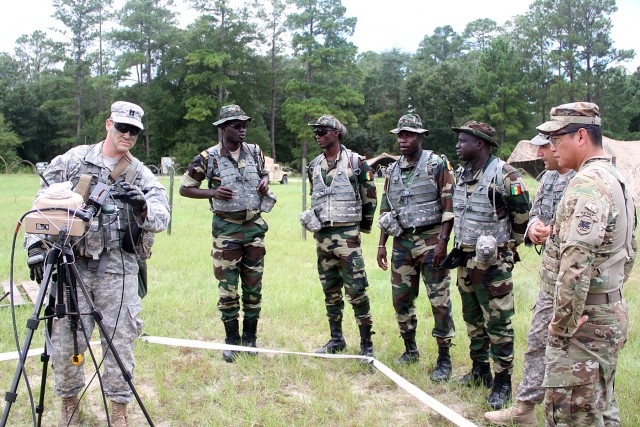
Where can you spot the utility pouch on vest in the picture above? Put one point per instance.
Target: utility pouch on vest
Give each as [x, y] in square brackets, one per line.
[142, 277]
[486, 250]
[131, 237]
[310, 221]
[388, 222]
[454, 259]
[93, 240]
[267, 202]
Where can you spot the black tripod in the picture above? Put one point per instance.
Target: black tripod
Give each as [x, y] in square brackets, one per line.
[61, 261]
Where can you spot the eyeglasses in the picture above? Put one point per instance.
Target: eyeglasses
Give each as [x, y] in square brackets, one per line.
[322, 132]
[127, 128]
[239, 125]
[553, 138]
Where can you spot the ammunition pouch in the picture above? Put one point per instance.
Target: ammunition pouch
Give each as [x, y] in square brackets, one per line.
[388, 223]
[486, 250]
[267, 202]
[310, 221]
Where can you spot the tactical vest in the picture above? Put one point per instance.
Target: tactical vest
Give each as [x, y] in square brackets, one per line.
[608, 273]
[339, 202]
[416, 204]
[475, 215]
[244, 186]
[108, 230]
[552, 186]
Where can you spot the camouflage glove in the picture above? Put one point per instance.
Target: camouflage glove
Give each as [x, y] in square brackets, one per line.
[35, 261]
[133, 196]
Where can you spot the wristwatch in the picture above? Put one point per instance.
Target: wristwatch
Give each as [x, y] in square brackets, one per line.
[445, 238]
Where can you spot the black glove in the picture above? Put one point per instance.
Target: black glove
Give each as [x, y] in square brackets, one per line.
[133, 196]
[37, 254]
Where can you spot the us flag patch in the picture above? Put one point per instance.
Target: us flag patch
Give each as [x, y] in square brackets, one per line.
[516, 189]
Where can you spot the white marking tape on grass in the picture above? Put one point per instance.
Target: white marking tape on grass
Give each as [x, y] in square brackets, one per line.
[13, 355]
[423, 397]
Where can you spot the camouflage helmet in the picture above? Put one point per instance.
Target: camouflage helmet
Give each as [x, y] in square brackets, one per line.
[583, 113]
[539, 140]
[329, 121]
[479, 130]
[410, 123]
[231, 112]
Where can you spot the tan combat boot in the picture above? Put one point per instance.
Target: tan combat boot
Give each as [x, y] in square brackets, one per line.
[520, 414]
[70, 412]
[119, 416]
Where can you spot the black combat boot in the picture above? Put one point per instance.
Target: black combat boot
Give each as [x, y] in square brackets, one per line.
[336, 343]
[442, 371]
[411, 354]
[249, 328]
[366, 345]
[501, 391]
[231, 329]
[480, 375]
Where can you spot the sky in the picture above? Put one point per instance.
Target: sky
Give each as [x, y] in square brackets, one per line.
[381, 26]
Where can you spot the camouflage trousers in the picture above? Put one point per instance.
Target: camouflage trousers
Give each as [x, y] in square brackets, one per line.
[238, 258]
[412, 256]
[115, 296]
[580, 371]
[340, 263]
[531, 389]
[486, 293]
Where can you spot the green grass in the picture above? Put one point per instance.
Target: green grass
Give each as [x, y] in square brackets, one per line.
[185, 387]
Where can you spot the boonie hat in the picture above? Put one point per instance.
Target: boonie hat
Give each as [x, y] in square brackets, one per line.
[127, 112]
[329, 121]
[410, 123]
[478, 129]
[539, 140]
[583, 113]
[231, 112]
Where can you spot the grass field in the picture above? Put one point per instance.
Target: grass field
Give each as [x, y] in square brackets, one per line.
[183, 387]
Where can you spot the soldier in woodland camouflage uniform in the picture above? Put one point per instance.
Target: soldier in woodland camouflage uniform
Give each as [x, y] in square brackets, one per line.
[491, 208]
[237, 185]
[418, 194]
[590, 251]
[106, 264]
[343, 203]
[531, 393]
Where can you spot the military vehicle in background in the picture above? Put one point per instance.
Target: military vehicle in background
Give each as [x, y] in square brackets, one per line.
[276, 173]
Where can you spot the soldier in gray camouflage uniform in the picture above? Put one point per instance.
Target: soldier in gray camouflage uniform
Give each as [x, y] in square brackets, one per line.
[590, 252]
[343, 203]
[418, 196]
[491, 208]
[107, 267]
[237, 187]
[531, 393]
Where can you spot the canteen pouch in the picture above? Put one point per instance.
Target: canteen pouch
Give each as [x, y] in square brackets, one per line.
[267, 202]
[93, 240]
[310, 221]
[486, 250]
[389, 224]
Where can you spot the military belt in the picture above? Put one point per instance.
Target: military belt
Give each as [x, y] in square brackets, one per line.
[608, 298]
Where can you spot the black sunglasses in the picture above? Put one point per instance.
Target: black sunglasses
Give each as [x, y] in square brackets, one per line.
[240, 125]
[322, 132]
[124, 128]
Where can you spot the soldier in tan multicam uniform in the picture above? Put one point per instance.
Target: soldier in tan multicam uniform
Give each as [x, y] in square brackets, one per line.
[106, 265]
[237, 186]
[343, 203]
[418, 196]
[491, 208]
[531, 393]
[590, 251]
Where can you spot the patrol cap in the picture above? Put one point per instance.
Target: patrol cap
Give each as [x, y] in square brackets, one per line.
[581, 113]
[231, 112]
[478, 129]
[127, 112]
[539, 140]
[329, 121]
[410, 123]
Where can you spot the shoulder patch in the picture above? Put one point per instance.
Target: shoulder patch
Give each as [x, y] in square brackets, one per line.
[585, 224]
[516, 189]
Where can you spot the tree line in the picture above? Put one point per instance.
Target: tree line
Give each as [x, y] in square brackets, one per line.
[286, 62]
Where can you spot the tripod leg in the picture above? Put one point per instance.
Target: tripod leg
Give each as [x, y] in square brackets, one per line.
[32, 325]
[97, 316]
[44, 358]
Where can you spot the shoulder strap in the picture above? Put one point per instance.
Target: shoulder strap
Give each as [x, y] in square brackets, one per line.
[120, 167]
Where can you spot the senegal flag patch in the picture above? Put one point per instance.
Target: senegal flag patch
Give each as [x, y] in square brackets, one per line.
[369, 176]
[516, 189]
